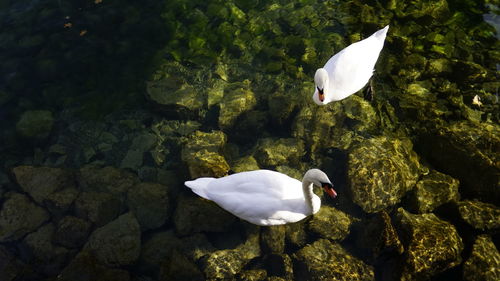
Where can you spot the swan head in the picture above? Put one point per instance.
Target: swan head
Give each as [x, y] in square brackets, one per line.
[319, 178]
[321, 82]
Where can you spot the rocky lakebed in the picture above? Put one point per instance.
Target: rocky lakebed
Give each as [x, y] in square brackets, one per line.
[87, 196]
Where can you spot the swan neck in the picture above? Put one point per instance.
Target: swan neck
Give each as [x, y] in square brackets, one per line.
[308, 196]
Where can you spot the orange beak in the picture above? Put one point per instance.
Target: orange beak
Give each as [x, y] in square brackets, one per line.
[329, 189]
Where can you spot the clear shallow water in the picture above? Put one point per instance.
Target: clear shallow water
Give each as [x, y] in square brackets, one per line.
[95, 65]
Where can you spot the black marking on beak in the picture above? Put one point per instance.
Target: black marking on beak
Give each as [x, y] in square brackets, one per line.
[328, 187]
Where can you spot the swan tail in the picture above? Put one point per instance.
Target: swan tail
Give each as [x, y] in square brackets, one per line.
[199, 186]
[382, 33]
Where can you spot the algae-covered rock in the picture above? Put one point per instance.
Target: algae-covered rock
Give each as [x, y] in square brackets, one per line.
[41, 182]
[431, 245]
[326, 260]
[203, 154]
[273, 152]
[433, 190]
[150, 204]
[97, 207]
[330, 223]
[36, 124]
[360, 114]
[468, 152]
[71, 232]
[484, 261]
[279, 267]
[19, 216]
[85, 267]
[117, 243]
[296, 234]
[222, 264]
[106, 179]
[196, 214]
[235, 102]
[480, 215]
[380, 171]
[272, 239]
[247, 163]
[180, 102]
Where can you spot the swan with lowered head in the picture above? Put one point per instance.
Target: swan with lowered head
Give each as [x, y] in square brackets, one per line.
[265, 197]
[349, 70]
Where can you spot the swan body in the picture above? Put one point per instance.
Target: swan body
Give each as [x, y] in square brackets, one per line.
[349, 70]
[265, 197]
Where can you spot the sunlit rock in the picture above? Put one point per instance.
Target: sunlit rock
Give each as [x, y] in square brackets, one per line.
[433, 190]
[330, 223]
[237, 99]
[272, 152]
[380, 171]
[480, 215]
[484, 261]
[431, 245]
[325, 260]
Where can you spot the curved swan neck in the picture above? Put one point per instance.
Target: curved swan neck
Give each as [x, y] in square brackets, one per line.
[307, 187]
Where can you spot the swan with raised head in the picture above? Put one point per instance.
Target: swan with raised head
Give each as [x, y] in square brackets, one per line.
[349, 70]
[265, 197]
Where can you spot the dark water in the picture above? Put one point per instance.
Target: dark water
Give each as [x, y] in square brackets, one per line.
[130, 85]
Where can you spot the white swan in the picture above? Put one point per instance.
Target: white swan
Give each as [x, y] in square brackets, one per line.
[265, 197]
[349, 70]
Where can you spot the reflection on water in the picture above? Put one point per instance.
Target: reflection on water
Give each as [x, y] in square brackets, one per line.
[109, 106]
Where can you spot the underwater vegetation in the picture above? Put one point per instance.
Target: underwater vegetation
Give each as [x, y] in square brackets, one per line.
[109, 106]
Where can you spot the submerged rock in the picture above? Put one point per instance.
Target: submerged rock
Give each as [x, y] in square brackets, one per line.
[19, 216]
[484, 261]
[196, 214]
[97, 207]
[85, 267]
[253, 275]
[433, 190]
[247, 163]
[431, 245]
[380, 171]
[273, 152]
[468, 152]
[36, 124]
[47, 255]
[150, 204]
[177, 267]
[106, 179]
[379, 236]
[482, 216]
[235, 102]
[330, 223]
[117, 243]
[272, 239]
[279, 267]
[325, 260]
[11, 268]
[203, 154]
[71, 232]
[185, 101]
[41, 182]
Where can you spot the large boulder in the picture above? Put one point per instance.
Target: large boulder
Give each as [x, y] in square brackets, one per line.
[19, 216]
[326, 260]
[431, 245]
[484, 261]
[150, 203]
[380, 171]
[118, 243]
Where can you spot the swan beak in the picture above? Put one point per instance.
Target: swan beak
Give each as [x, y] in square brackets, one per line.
[328, 187]
[321, 95]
